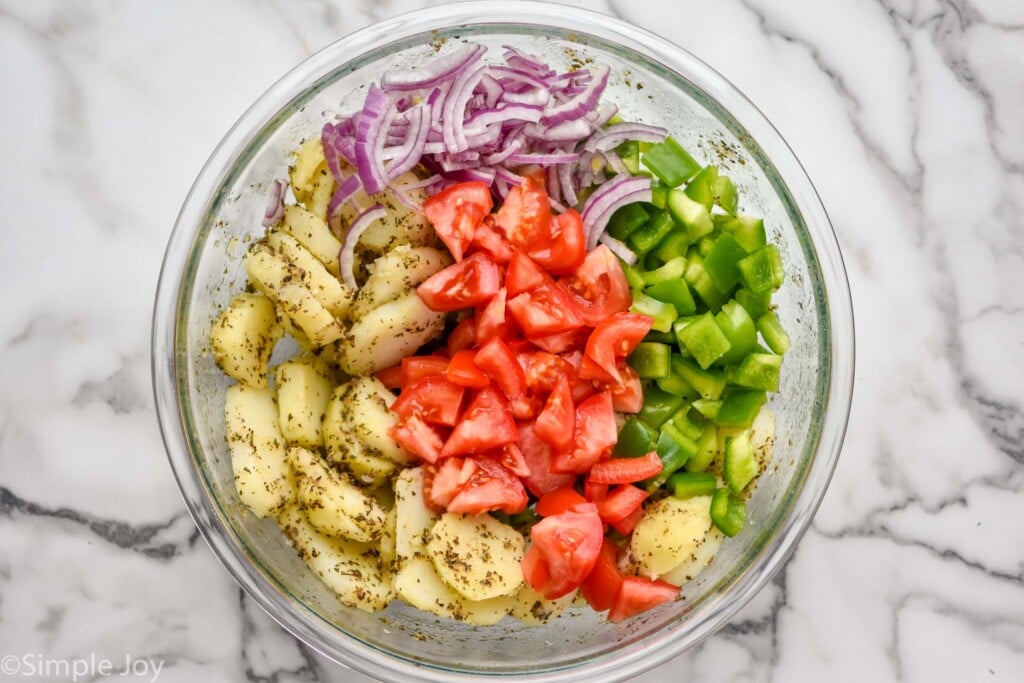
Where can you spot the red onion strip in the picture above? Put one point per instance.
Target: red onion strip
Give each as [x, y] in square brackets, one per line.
[346, 257]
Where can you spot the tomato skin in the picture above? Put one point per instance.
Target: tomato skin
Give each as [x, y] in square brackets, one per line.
[593, 438]
[570, 542]
[614, 338]
[602, 584]
[465, 284]
[621, 503]
[628, 395]
[432, 399]
[566, 246]
[545, 310]
[500, 364]
[599, 288]
[390, 377]
[638, 595]
[462, 337]
[417, 437]
[488, 239]
[626, 470]
[557, 421]
[523, 274]
[415, 368]
[560, 500]
[486, 424]
[535, 569]
[462, 370]
[626, 525]
[594, 492]
[525, 215]
[538, 456]
[456, 212]
[490, 487]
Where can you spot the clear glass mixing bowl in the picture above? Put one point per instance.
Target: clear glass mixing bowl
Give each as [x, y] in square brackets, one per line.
[654, 81]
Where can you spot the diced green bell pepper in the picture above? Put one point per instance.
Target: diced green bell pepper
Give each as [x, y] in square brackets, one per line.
[629, 152]
[676, 385]
[720, 262]
[671, 272]
[675, 292]
[663, 314]
[692, 484]
[658, 406]
[699, 280]
[634, 275]
[748, 231]
[704, 339]
[673, 246]
[674, 449]
[659, 196]
[651, 360]
[771, 330]
[762, 271]
[728, 512]
[626, 220]
[687, 426]
[739, 466]
[709, 383]
[690, 214]
[738, 327]
[636, 438]
[755, 304]
[707, 449]
[702, 188]
[647, 236]
[660, 337]
[708, 407]
[725, 194]
[672, 164]
[759, 371]
[739, 408]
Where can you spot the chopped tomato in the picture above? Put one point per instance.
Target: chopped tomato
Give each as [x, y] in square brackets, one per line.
[566, 247]
[390, 377]
[543, 370]
[487, 424]
[558, 501]
[523, 274]
[465, 284]
[526, 407]
[525, 215]
[433, 399]
[570, 543]
[462, 370]
[462, 337]
[538, 456]
[594, 436]
[638, 595]
[614, 338]
[602, 584]
[556, 422]
[544, 311]
[599, 287]
[512, 458]
[456, 212]
[594, 492]
[415, 368]
[592, 371]
[626, 470]
[441, 482]
[628, 395]
[562, 342]
[626, 525]
[490, 487]
[621, 503]
[500, 364]
[417, 437]
[535, 569]
[492, 321]
[488, 238]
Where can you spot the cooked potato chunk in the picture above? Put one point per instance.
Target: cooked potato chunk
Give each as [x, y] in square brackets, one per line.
[333, 504]
[333, 294]
[395, 273]
[257, 449]
[385, 335]
[418, 584]
[671, 531]
[477, 555]
[413, 519]
[312, 233]
[320, 196]
[533, 608]
[243, 337]
[349, 568]
[368, 402]
[308, 158]
[302, 395]
[345, 450]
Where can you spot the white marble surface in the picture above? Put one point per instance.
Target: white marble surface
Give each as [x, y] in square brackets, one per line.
[908, 116]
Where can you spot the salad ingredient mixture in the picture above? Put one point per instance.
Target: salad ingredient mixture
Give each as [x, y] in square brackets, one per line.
[529, 363]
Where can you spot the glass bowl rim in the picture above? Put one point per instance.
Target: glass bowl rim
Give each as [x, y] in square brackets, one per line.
[654, 648]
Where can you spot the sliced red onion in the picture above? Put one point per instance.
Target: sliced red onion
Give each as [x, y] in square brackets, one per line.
[565, 181]
[505, 114]
[454, 109]
[492, 89]
[275, 203]
[618, 248]
[541, 159]
[582, 103]
[607, 198]
[557, 205]
[346, 188]
[511, 147]
[615, 163]
[525, 61]
[537, 97]
[412, 149]
[569, 131]
[614, 135]
[508, 176]
[346, 257]
[370, 137]
[602, 115]
[434, 72]
[483, 175]
[505, 74]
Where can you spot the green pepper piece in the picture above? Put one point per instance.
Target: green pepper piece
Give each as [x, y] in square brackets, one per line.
[660, 337]
[755, 304]
[707, 450]
[647, 236]
[687, 426]
[708, 407]
[672, 164]
[663, 314]
[690, 214]
[725, 194]
[701, 188]
[629, 152]
[659, 196]
[672, 246]
[747, 231]
[739, 466]
[674, 449]
[658, 406]
[636, 438]
[771, 330]
[759, 371]
[672, 271]
[739, 408]
[709, 383]
[626, 220]
[721, 260]
[704, 339]
[651, 360]
[675, 292]
[676, 385]
[692, 484]
[762, 271]
[634, 275]
[738, 327]
[728, 512]
[699, 280]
